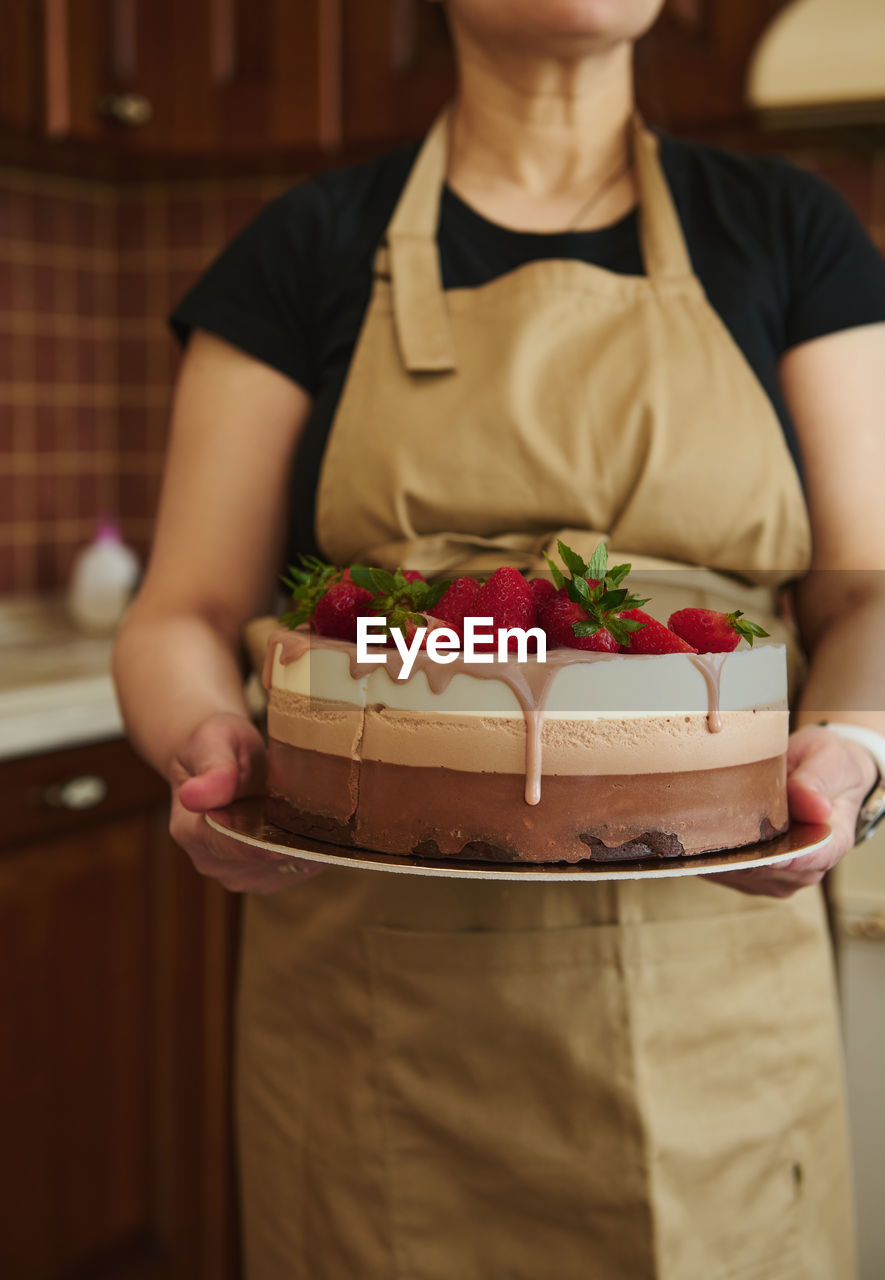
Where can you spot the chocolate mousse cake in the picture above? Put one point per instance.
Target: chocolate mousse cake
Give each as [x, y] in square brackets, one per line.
[589, 755]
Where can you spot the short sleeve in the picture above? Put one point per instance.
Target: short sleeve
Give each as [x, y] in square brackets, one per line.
[262, 293]
[836, 273]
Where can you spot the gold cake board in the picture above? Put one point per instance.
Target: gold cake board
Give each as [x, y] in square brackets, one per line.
[244, 821]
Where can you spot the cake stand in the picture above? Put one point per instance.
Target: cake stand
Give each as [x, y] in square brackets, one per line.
[244, 821]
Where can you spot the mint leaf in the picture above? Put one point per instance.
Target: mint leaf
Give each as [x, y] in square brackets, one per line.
[572, 561]
[598, 561]
[555, 573]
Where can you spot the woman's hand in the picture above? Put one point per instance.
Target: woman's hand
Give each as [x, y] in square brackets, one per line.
[827, 780]
[222, 760]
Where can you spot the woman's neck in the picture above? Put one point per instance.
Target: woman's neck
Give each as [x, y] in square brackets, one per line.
[533, 140]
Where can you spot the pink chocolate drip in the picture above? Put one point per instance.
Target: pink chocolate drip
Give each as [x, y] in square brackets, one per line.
[530, 682]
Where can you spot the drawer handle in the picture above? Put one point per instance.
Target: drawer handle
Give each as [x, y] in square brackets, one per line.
[133, 110]
[83, 792]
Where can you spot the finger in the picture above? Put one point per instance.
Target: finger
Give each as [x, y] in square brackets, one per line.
[807, 800]
[212, 789]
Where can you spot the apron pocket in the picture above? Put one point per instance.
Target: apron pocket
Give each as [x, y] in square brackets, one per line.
[723, 1049]
[602, 1100]
[512, 1142]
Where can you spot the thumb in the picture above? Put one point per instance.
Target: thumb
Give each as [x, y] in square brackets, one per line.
[222, 757]
[809, 778]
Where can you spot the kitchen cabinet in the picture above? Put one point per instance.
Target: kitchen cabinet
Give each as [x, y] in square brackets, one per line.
[397, 69]
[119, 79]
[692, 66]
[116, 970]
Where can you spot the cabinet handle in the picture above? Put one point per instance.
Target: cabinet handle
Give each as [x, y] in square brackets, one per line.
[83, 792]
[133, 110]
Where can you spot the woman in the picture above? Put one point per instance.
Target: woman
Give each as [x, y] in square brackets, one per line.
[571, 326]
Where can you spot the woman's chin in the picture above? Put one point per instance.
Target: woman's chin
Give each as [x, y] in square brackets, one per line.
[560, 26]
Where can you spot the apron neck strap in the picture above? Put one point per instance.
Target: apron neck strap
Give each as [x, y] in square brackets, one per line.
[422, 322]
[664, 251]
[423, 327]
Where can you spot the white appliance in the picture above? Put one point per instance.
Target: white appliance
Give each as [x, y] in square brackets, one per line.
[860, 910]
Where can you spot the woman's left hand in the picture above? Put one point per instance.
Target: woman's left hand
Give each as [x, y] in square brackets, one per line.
[827, 780]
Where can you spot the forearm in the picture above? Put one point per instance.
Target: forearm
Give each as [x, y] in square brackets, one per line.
[846, 677]
[172, 672]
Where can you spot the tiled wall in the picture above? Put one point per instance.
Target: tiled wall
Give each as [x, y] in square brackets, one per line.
[88, 273]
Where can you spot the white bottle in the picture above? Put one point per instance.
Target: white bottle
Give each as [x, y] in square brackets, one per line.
[102, 581]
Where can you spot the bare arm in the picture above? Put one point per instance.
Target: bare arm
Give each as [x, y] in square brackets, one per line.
[834, 391]
[220, 531]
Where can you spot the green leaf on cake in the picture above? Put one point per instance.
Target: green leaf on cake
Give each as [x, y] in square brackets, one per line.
[308, 581]
[602, 603]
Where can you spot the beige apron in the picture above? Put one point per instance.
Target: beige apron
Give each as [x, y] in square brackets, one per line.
[441, 1080]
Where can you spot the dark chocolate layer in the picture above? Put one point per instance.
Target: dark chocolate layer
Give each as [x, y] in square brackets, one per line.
[410, 810]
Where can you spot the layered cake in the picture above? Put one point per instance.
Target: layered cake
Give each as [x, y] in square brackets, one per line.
[587, 755]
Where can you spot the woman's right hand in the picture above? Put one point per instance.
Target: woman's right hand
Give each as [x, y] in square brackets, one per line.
[223, 760]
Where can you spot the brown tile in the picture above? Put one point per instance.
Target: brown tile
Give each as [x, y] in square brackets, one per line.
[85, 294]
[18, 215]
[178, 283]
[65, 553]
[44, 289]
[47, 434]
[84, 222]
[7, 364]
[49, 498]
[87, 491]
[46, 576]
[138, 495]
[44, 221]
[131, 221]
[185, 222]
[134, 429]
[24, 497]
[132, 362]
[132, 294]
[45, 351]
[7, 569]
[5, 284]
[85, 360]
[7, 487]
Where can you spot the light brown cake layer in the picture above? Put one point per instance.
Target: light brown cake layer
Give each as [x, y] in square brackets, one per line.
[599, 744]
[439, 812]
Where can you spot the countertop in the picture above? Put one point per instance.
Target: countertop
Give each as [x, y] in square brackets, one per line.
[55, 683]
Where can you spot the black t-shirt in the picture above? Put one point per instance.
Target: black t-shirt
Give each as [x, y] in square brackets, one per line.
[779, 253]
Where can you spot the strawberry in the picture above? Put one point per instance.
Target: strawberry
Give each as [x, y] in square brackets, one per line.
[595, 590]
[652, 636]
[713, 632]
[542, 589]
[402, 597]
[308, 582]
[558, 615]
[336, 613]
[508, 600]
[458, 602]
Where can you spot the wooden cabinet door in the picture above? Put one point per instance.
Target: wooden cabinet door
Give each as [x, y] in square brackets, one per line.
[199, 76]
[116, 966]
[692, 66]
[397, 69]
